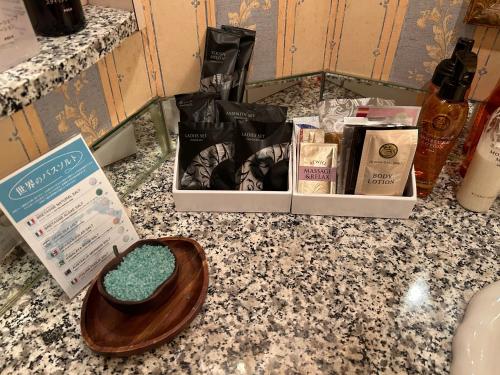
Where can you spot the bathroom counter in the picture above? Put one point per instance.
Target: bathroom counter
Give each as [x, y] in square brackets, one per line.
[63, 58]
[289, 293]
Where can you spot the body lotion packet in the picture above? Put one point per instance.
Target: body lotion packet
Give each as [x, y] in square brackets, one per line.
[386, 161]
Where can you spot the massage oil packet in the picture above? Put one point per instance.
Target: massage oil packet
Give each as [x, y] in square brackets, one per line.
[317, 168]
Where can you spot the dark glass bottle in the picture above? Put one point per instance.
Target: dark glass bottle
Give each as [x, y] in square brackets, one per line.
[55, 17]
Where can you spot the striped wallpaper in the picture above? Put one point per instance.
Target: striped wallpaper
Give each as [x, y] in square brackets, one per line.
[400, 41]
[92, 104]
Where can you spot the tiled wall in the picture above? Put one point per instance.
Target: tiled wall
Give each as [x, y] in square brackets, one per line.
[393, 40]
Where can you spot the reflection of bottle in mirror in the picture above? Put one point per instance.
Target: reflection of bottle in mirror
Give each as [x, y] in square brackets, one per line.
[441, 121]
[481, 184]
[446, 67]
[481, 118]
[55, 17]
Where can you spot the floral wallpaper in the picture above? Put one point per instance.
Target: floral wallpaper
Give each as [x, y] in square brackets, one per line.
[241, 18]
[77, 106]
[259, 15]
[400, 41]
[429, 34]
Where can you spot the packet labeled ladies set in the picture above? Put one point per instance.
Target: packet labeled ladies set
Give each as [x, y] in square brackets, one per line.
[247, 149]
[263, 155]
[206, 155]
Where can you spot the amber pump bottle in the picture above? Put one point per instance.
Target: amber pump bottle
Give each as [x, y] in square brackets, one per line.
[441, 121]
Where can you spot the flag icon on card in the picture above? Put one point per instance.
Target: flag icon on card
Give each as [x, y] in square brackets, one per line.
[39, 233]
[31, 222]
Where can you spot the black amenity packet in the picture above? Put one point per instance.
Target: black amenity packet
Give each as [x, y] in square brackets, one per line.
[354, 150]
[197, 107]
[206, 156]
[221, 53]
[247, 42]
[262, 156]
[231, 111]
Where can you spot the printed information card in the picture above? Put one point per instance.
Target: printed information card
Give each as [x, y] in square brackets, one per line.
[67, 211]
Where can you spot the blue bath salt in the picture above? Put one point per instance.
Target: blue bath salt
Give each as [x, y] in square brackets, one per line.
[140, 273]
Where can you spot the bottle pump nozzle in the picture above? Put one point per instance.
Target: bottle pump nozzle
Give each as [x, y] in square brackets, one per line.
[455, 87]
[447, 66]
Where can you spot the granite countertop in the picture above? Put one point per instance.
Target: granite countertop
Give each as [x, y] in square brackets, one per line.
[63, 58]
[289, 294]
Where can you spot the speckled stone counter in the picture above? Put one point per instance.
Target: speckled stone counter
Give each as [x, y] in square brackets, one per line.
[63, 58]
[289, 294]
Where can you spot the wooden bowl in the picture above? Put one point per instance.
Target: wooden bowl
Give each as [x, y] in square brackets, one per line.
[158, 297]
[113, 332]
